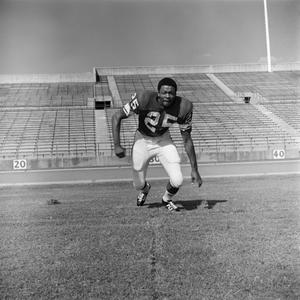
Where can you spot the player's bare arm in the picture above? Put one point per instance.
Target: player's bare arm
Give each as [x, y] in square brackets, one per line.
[116, 127]
[125, 112]
[190, 150]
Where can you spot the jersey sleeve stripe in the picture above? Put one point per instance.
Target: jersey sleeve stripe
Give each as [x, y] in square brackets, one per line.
[126, 109]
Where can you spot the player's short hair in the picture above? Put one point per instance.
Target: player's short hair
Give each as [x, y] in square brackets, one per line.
[167, 81]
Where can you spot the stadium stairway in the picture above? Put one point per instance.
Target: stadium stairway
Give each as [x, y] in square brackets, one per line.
[103, 135]
[117, 102]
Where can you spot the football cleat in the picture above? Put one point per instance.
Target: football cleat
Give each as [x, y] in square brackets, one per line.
[206, 204]
[142, 196]
[170, 205]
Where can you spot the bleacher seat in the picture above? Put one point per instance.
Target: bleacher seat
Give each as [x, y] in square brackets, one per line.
[273, 87]
[45, 94]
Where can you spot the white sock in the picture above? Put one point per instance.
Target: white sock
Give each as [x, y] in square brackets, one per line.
[167, 196]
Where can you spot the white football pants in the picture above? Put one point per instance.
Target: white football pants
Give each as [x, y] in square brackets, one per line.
[145, 148]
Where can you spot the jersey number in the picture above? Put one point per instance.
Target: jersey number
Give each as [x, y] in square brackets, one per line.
[152, 119]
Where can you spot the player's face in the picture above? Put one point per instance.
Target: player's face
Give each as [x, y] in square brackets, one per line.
[166, 95]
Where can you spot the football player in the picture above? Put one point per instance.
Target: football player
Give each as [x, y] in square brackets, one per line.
[157, 111]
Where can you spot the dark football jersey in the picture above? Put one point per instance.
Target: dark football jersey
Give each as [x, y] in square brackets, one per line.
[155, 119]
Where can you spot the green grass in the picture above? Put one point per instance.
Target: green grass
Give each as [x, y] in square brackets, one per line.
[96, 244]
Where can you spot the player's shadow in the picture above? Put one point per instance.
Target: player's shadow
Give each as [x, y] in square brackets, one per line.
[189, 204]
[193, 204]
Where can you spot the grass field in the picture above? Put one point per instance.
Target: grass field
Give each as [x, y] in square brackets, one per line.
[96, 244]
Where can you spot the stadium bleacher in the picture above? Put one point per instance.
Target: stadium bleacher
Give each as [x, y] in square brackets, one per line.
[46, 120]
[219, 122]
[47, 133]
[289, 112]
[273, 87]
[45, 94]
[196, 87]
[40, 120]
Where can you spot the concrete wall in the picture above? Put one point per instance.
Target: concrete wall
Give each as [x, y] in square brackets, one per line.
[195, 69]
[105, 161]
[91, 76]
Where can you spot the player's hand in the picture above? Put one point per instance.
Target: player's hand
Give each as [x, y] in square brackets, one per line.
[120, 151]
[196, 178]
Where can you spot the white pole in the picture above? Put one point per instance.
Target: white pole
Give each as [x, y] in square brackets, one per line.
[267, 36]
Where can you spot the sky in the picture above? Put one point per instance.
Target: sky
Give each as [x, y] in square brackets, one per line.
[73, 36]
